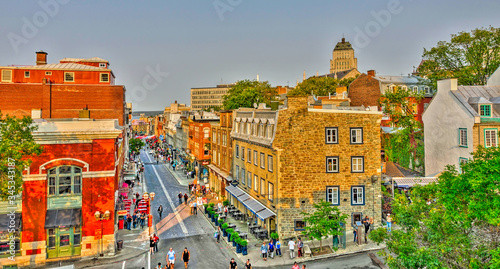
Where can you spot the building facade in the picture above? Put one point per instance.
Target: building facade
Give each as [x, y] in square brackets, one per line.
[343, 57]
[207, 97]
[286, 160]
[199, 144]
[222, 153]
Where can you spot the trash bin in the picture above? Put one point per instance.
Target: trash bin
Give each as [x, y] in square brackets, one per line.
[119, 244]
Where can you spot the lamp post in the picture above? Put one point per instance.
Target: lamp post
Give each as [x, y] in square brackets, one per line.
[101, 217]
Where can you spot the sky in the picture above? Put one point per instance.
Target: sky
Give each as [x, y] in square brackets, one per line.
[161, 49]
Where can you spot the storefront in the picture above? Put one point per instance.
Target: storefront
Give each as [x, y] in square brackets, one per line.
[63, 228]
[10, 225]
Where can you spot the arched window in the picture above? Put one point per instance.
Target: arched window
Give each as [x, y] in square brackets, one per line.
[65, 180]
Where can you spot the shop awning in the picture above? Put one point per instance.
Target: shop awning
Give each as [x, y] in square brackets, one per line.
[253, 205]
[5, 221]
[265, 214]
[234, 191]
[63, 217]
[242, 198]
[408, 182]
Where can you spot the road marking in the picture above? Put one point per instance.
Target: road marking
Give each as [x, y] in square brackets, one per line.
[123, 266]
[176, 213]
[149, 259]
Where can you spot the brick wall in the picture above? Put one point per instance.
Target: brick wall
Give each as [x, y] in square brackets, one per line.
[365, 90]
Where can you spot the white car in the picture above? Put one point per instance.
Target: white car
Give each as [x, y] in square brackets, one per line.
[151, 151]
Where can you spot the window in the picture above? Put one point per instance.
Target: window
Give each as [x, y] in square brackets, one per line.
[255, 183]
[404, 88]
[64, 180]
[76, 236]
[249, 155]
[26, 74]
[69, 77]
[48, 73]
[490, 138]
[357, 164]
[414, 108]
[269, 163]
[214, 136]
[242, 153]
[214, 157]
[332, 195]
[270, 192]
[255, 157]
[249, 179]
[462, 137]
[262, 186]
[224, 139]
[6, 75]
[415, 89]
[243, 175]
[426, 105]
[331, 135]
[269, 131]
[102, 65]
[299, 225]
[206, 132]
[356, 135]
[262, 161]
[104, 77]
[427, 90]
[332, 164]
[461, 161]
[357, 195]
[485, 110]
[261, 130]
[52, 238]
[206, 149]
[249, 128]
[237, 151]
[237, 173]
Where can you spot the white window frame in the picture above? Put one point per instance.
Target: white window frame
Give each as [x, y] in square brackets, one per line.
[237, 151]
[255, 183]
[72, 74]
[102, 65]
[10, 75]
[360, 193]
[427, 90]
[462, 137]
[255, 158]
[331, 192]
[48, 73]
[331, 135]
[269, 163]
[358, 136]
[243, 175]
[243, 152]
[262, 187]
[249, 155]
[357, 164]
[262, 160]
[249, 179]
[333, 158]
[237, 173]
[270, 192]
[490, 140]
[26, 74]
[101, 75]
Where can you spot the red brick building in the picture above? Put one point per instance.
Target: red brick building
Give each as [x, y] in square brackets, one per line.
[80, 168]
[199, 144]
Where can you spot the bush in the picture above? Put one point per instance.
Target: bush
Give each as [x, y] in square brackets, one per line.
[238, 241]
[224, 226]
[230, 230]
[211, 205]
[220, 221]
[244, 243]
[234, 236]
[274, 236]
[210, 209]
[225, 203]
[216, 215]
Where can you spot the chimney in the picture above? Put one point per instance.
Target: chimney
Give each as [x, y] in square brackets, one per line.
[371, 73]
[41, 57]
[343, 40]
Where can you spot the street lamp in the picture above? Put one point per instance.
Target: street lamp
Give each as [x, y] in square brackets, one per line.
[101, 217]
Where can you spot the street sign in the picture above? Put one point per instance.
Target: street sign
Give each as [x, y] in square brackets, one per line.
[234, 183]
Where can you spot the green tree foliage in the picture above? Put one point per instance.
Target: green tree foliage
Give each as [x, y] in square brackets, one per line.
[452, 224]
[469, 56]
[248, 92]
[135, 144]
[405, 145]
[17, 146]
[324, 221]
[319, 86]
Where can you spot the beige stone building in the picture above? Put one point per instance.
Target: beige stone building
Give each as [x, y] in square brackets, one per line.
[202, 98]
[286, 160]
[343, 57]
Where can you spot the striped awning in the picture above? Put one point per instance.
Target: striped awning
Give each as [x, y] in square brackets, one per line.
[265, 214]
[234, 191]
[408, 182]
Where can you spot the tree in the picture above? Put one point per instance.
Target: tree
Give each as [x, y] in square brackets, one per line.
[324, 221]
[245, 93]
[452, 224]
[469, 56]
[135, 144]
[405, 145]
[17, 146]
[319, 86]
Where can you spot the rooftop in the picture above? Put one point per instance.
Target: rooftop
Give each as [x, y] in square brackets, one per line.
[89, 60]
[62, 66]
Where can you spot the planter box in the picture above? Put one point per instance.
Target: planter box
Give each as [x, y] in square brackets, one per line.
[244, 251]
[238, 249]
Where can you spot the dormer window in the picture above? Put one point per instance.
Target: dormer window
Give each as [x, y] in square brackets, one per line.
[102, 65]
[427, 90]
[485, 110]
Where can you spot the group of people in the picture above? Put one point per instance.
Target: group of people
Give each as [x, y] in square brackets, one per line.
[367, 222]
[153, 243]
[172, 257]
[135, 220]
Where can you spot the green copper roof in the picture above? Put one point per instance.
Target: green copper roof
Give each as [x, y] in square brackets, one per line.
[343, 45]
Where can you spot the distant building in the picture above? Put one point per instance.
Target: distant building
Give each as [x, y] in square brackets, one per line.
[199, 142]
[172, 115]
[203, 98]
[140, 127]
[458, 120]
[222, 152]
[343, 58]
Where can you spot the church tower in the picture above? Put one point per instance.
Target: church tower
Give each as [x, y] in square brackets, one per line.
[343, 57]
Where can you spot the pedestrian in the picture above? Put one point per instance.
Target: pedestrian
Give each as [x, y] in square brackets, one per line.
[271, 249]
[195, 209]
[263, 251]
[180, 197]
[160, 210]
[278, 247]
[389, 222]
[157, 240]
[233, 264]
[291, 247]
[171, 258]
[151, 245]
[303, 266]
[158, 267]
[219, 207]
[137, 196]
[143, 219]
[186, 198]
[248, 265]
[225, 211]
[185, 257]
[129, 222]
[192, 208]
[295, 266]
[218, 234]
[134, 219]
[367, 221]
[300, 245]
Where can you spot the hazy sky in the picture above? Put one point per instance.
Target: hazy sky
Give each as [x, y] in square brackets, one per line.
[161, 49]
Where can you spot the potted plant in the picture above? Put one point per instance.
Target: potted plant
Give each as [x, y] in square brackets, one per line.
[238, 244]
[274, 237]
[224, 228]
[229, 232]
[234, 236]
[220, 221]
[208, 209]
[244, 244]
[225, 203]
[211, 205]
[216, 217]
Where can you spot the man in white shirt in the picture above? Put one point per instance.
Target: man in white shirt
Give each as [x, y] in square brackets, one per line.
[291, 246]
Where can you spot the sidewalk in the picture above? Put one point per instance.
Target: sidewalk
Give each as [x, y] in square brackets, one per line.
[179, 175]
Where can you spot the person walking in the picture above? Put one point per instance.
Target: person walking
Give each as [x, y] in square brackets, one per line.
[151, 245]
[300, 245]
[248, 265]
[160, 210]
[271, 249]
[278, 247]
[143, 219]
[291, 247]
[171, 256]
[186, 198]
[366, 222]
[233, 264]
[389, 222]
[158, 266]
[263, 251]
[185, 257]
[180, 198]
[135, 219]
[157, 240]
[195, 208]
[295, 266]
[218, 234]
[129, 222]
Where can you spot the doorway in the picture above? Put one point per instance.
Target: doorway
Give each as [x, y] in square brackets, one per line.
[63, 242]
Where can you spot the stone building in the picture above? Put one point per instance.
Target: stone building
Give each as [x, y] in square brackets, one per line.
[343, 57]
[286, 160]
[222, 152]
[206, 97]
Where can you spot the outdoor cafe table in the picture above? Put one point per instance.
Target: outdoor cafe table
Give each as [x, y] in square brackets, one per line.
[231, 225]
[243, 235]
